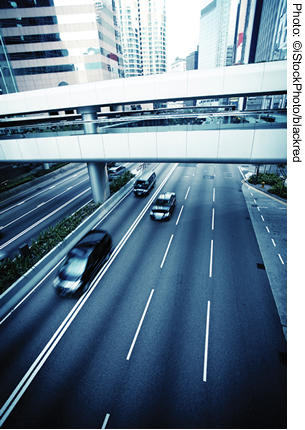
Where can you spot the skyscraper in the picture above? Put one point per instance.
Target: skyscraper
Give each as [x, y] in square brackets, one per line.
[60, 42]
[216, 36]
[143, 33]
[7, 78]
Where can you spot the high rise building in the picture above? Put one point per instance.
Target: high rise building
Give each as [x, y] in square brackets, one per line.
[61, 42]
[263, 26]
[7, 78]
[192, 60]
[217, 31]
[128, 15]
[143, 34]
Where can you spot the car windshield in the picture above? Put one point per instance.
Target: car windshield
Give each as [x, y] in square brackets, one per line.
[73, 267]
[141, 184]
[162, 202]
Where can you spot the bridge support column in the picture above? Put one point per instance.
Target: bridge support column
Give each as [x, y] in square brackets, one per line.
[97, 171]
[99, 181]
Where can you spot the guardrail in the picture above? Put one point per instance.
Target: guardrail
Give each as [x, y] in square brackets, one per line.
[24, 286]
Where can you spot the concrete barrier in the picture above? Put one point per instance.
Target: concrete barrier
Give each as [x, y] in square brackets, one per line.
[17, 292]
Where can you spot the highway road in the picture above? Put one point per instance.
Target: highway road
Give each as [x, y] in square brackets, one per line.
[179, 330]
[24, 215]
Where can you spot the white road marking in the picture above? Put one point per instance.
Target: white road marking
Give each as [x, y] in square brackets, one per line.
[262, 218]
[188, 190]
[267, 229]
[213, 194]
[211, 258]
[205, 366]
[179, 215]
[105, 421]
[40, 360]
[241, 172]
[139, 326]
[42, 219]
[273, 242]
[32, 210]
[169, 244]
[213, 216]
[281, 259]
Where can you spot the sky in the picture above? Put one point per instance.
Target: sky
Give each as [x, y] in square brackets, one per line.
[182, 28]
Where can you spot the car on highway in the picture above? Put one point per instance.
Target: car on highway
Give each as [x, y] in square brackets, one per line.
[83, 262]
[144, 184]
[163, 206]
[115, 172]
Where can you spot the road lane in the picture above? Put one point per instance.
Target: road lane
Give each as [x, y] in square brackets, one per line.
[169, 380]
[45, 310]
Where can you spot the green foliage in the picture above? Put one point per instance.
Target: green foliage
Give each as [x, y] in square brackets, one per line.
[12, 269]
[279, 189]
[268, 178]
[277, 184]
[119, 182]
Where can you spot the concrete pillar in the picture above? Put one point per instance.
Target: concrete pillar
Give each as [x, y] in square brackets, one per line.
[97, 171]
[99, 181]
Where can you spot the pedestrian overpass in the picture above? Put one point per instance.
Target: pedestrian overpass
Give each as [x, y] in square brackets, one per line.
[218, 137]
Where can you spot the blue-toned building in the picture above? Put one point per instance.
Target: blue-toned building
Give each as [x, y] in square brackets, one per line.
[61, 42]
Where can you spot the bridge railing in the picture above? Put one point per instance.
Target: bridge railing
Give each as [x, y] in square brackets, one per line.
[161, 123]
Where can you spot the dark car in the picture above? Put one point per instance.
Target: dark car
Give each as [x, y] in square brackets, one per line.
[83, 262]
[144, 184]
[163, 206]
[115, 172]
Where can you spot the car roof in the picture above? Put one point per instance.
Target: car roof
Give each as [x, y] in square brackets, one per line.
[165, 196]
[113, 169]
[92, 237]
[145, 176]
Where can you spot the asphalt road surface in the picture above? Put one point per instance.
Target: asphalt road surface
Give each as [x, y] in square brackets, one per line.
[179, 330]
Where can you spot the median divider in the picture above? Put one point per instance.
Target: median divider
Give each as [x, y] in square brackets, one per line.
[24, 286]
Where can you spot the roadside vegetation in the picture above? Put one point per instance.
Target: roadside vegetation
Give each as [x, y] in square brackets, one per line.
[11, 269]
[15, 182]
[276, 182]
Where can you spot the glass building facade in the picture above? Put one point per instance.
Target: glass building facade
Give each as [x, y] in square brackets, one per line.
[7, 78]
[52, 43]
[143, 33]
[216, 35]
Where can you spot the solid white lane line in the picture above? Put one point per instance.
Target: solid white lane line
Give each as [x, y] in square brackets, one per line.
[211, 258]
[267, 229]
[273, 242]
[41, 204]
[105, 421]
[281, 259]
[188, 190]
[40, 360]
[213, 194]
[139, 326]
[42, 219]
[179, 215]
[241, 172]
[169, 244]
[213, 216]
[205, 365]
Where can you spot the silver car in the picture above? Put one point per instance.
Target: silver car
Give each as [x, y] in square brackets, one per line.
[163, 207]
